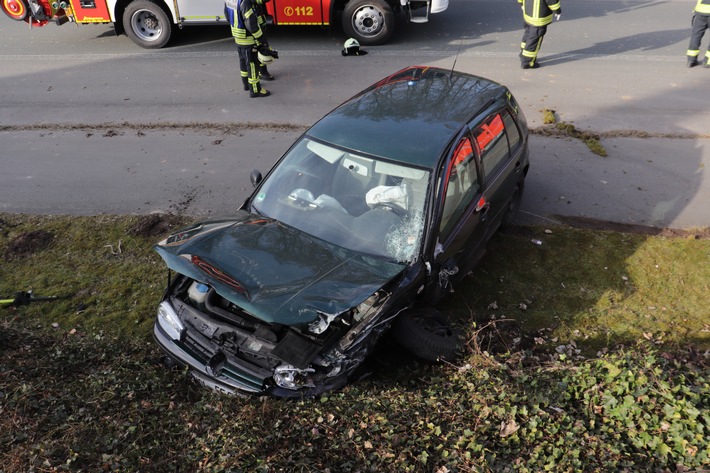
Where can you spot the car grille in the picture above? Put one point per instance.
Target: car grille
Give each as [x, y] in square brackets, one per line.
[244, 376]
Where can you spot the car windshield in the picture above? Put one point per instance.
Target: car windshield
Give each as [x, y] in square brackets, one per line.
[354, 201]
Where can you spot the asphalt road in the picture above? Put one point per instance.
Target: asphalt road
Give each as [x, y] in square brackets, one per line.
[608, 66]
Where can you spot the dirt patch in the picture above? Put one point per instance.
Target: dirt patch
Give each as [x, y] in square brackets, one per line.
[28, 243]
[553, 130]
[109, 129]
[154, 225]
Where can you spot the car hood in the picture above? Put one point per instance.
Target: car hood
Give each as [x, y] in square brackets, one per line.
[275, 272]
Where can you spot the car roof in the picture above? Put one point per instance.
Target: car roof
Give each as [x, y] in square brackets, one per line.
[410, 116]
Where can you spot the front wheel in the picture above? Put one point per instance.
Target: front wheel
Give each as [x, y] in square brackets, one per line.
[370, 22]
[15, 9]
[147, 24]
[426, 333]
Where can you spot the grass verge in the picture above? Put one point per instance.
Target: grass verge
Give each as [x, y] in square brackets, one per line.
[586, 352]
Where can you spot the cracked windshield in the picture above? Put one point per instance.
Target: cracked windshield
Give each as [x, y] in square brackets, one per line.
[356, 202]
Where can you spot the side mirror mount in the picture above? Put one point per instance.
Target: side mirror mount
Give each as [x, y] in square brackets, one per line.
[255, 177]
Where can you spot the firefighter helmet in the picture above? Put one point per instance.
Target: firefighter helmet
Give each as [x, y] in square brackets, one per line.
[264, 58]
[351, 47]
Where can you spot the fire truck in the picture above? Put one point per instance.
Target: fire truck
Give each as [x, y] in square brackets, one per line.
[150, 23]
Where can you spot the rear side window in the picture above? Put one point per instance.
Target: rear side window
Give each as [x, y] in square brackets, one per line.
[512, 131]
[492, 143]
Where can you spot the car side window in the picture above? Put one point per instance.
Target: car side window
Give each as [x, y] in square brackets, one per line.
[461, 186]
[512, 131]
[492, 142]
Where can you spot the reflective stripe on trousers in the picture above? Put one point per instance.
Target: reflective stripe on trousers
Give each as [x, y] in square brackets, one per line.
[531, 43]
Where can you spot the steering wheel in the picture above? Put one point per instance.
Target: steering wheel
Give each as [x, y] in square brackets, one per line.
[395, 209]
[301, 199]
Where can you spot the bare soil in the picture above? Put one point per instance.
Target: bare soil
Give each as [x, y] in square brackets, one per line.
[28, 243]
[154, 225]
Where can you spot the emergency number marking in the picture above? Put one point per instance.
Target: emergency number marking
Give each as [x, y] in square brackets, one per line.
[300, 11]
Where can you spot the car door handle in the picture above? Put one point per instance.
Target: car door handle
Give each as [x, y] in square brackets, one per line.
[482, 206]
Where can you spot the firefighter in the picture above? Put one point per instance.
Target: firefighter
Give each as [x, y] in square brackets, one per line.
[537, 15]
[701, 22]
[261, 9]
[243, 18]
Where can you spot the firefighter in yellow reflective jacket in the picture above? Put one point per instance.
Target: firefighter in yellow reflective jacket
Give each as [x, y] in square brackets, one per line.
[264, 73]
[537, 15]
[243, 17]
[701, 22]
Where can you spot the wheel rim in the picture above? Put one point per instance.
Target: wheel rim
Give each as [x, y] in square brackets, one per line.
[368, 20]
[15, 9]
[146, 25]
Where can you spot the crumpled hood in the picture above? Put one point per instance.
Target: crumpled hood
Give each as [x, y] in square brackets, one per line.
[272, 271]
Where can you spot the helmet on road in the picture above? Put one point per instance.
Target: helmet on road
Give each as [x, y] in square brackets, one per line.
[351, 47]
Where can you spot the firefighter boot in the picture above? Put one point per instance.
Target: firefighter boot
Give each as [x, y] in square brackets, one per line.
[692, 61]
[264, 73]
[262, 93]
[529, 65]
[245, 81]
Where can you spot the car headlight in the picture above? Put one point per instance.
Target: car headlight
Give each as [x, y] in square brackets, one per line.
[289, 377]
[169, 321]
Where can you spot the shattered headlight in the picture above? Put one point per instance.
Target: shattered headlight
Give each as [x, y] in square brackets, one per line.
[290, 377]
[169, 321]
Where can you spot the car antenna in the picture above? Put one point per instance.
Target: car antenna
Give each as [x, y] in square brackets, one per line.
[456, 58]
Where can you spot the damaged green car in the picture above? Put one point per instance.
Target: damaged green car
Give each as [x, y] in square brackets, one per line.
[361, 227]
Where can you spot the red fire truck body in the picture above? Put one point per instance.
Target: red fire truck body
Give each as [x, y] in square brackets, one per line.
[150, 23]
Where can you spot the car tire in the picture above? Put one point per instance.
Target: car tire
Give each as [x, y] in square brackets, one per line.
[370, 22]
[514, 205]
[147, 24]
[427, 334]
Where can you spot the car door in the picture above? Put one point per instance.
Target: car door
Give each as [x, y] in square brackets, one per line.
[462, 214]
[501, 169]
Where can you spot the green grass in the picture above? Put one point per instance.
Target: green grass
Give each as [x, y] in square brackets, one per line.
[585, 353]
[596, 288]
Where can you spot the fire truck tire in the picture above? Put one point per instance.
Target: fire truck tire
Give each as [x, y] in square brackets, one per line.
[15, 9]
[147, 24]
[370, 22]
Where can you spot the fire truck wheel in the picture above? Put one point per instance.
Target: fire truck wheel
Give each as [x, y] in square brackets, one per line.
[15, 9]
[147, 24]
[368, 21]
